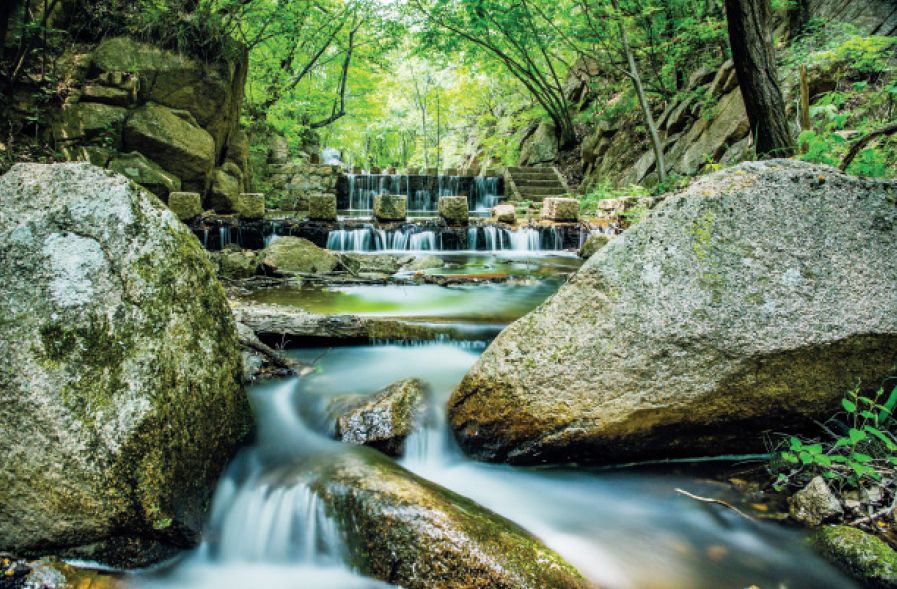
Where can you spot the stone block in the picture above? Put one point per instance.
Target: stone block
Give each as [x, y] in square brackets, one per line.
[135, 166]
[505, 214]
[251, 205]
[322, 207]
[453, 209]
[560, 209]
[390, 207]
[186, 205]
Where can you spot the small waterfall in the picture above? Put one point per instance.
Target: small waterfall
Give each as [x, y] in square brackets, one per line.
[223, 236]
[472, 238]
[371, 239]
[526, 239]
[485, 194]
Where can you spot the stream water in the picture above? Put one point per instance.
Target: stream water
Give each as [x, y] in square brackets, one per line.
[623, 528]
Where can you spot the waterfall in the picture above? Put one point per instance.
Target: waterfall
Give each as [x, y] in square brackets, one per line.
[224, 236]
[526, 239]
[371, 239]
[485, 193]
[472, 239]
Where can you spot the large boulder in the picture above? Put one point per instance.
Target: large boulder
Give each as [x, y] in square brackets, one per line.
[172, 139]
[296, 254]
[120, 393]
[867, 558]
[212, 93]
[386, 419]
[410, 532]
[751, 301]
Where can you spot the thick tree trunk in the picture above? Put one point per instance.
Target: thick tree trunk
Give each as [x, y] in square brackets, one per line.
[798, 16]
[750, 38]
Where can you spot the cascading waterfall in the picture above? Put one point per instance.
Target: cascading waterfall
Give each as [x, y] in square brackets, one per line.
[371, 239]
[485, 195]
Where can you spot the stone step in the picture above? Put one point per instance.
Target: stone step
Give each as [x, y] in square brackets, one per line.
[538, 197]
[545, 175]
[553, 182]
[542, 190]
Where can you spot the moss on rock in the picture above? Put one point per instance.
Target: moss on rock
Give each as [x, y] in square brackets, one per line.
[860, 554]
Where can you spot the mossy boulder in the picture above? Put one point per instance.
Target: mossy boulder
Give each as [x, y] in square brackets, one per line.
[210, 92]
[860, 554]
[224, 192]
[120, 392]
[390, 207]
[453, 209]
[410, 532]
[296, 254]
[85, 122]
[386, 419]
[236, 264]
[421, 263]
[172, 139]
[749, 302]
[147, 173]
[185, 205]
[372, 263]
[251, 205]
[593, 243]
[322, 207]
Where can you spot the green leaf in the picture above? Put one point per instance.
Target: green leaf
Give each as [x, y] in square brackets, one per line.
[856, 436]
[889, 444]
[841, 442]
[823, 460]
[795, 443]
[888, 407]
[806, 457]
[860, 457]
[848, 405]
[867, 414]
[789, 457]
[813, 448]
[862, 469]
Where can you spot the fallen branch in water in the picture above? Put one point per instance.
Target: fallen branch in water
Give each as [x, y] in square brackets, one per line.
[712, 500]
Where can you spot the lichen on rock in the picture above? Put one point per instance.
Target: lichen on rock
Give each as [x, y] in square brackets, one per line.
[120, 391]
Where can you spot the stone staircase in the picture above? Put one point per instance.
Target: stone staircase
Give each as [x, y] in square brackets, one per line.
[534, 184]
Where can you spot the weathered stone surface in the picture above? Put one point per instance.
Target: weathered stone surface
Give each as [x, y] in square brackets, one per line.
[453, 209]
[413, 533]
[593, 243]
[815, 503]
[105, 95]
[386, 419]
[185, 205]
[367, 263]
[864, 556]
[751, 300]
[295, 254]
[236, 264]
[424, 263]
[560, 209]
[251, 205]
[224, 192]
[390, 207]
[505, 214]
[540, 147]
[135, 166]
[322, 207]
[173, 140]
[89, 121]
[211, 93]
[120, 391]
[710, 139]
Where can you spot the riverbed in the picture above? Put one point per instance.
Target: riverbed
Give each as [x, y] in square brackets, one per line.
[623, 528]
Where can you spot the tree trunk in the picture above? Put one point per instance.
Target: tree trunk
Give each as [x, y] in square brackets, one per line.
[656, 143]
[6, 11]
[750, 38]
[798, 16]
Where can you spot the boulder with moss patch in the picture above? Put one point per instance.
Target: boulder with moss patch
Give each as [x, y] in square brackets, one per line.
[297, 255]
[147, 173]
[120, 390]
[749, 302]
[385, 420]
[410, 532]
[861, 555]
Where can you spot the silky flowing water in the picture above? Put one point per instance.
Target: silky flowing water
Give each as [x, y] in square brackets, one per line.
[623, 528]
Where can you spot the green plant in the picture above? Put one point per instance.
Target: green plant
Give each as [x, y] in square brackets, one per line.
[860, 445]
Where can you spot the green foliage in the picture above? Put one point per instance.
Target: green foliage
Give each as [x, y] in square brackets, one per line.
[859, 445]
[604, 190]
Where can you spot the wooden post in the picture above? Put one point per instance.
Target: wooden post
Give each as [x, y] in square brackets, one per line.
[804, 100]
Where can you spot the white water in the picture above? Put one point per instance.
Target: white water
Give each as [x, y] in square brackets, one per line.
[416, 238]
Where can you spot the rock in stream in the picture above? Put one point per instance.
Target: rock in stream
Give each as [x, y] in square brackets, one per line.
[751, 301]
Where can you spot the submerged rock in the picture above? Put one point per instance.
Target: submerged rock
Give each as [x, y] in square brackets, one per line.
[753, 300]
[296, 254]
[385, 420]
[408, 531]
[427, 262]
[862, 555]
[815, 503]
[120, 392]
